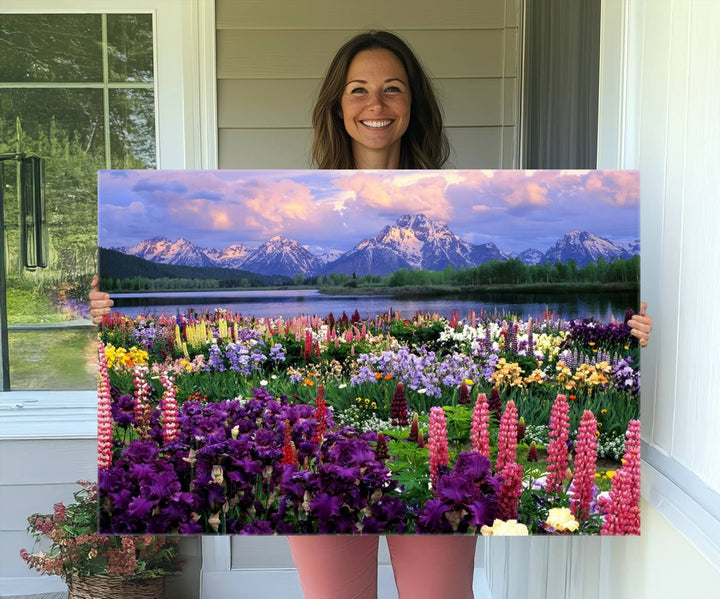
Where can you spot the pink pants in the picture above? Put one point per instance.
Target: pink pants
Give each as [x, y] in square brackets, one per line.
[345, 567]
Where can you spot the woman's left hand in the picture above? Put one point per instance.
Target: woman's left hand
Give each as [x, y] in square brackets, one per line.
[641, 325]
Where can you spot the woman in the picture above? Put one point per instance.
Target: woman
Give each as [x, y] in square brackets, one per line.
[377, 110]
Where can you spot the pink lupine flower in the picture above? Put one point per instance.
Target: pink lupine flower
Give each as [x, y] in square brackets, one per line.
[585, 460]
[105, 420]
[480, 429]
[510, 490]
[557, 448]
[308, 349]
[437, 443]
[622, 509]
[169, 408]
[507, 437]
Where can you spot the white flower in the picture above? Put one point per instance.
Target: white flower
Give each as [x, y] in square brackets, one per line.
[263, 383]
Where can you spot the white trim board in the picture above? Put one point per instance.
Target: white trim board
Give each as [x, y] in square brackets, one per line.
[680, 495]
[48, 415]
[284, 584]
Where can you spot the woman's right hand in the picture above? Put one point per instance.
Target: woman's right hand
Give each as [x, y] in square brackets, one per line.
[100, 303]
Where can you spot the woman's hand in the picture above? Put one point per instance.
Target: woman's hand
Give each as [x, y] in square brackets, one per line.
[100, 303]
[641, 325]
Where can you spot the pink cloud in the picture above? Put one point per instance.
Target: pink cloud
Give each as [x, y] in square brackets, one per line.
[390, 195]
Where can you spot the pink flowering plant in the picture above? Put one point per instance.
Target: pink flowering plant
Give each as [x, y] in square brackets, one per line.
[67, 544]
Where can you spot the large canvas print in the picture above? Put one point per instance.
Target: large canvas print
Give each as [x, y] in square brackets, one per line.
[369, 352]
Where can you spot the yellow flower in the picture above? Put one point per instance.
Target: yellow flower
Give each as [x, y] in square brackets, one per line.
[603, 411]
[561, 519]
[610, 473]
[373, 405]
[500, 528]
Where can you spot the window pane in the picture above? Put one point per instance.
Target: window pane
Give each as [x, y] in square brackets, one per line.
[55, 359]
[132, 128]
[130, 47]
[53, 116]
[66, 127]
[50, 48]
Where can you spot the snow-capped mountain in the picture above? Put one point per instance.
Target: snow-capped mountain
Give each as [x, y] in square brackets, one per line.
[160, 249]
[282, 256]
[530, 256]
[584, 247]
[330, 256]
[232, 256]
[415, 242]
[633, 247]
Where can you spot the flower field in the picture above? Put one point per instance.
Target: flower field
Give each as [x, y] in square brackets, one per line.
[216, 423]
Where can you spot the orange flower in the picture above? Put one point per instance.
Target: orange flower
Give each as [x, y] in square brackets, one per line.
[572, 396]
[378, 375]
[308, 382]
[388, 377]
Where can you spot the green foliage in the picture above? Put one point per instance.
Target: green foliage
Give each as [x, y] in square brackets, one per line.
[409, 464]
[459, 421]
[121, 272]
[427, 333]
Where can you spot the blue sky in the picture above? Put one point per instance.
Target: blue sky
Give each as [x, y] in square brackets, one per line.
[327, 210]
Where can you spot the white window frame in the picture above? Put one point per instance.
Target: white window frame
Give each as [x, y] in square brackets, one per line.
[186, 138]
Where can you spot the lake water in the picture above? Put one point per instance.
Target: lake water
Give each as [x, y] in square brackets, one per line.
[288, 303]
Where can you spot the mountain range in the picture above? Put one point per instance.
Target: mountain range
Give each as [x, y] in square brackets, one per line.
[413, 242]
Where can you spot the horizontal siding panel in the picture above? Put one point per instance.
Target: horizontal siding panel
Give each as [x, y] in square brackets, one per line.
[471, 147]
[472, 102]
[475, 147]
[50, 462]
[512, 13]
[370, 14]
[11, 564]
[264, 148]
[20, 501]
[278, 103]
[260, 552]
[306, 54]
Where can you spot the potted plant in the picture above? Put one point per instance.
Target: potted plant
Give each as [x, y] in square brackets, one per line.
[98, 566]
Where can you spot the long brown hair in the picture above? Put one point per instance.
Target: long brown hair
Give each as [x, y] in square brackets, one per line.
[424, 145]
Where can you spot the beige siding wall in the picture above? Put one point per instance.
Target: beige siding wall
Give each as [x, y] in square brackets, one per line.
[271, 57]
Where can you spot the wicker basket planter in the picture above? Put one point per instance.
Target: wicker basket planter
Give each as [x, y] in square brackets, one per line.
[116, 587]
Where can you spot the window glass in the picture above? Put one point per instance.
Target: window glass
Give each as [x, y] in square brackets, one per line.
[132, 128]
[36, 48]
[49, 332]
[130, 47]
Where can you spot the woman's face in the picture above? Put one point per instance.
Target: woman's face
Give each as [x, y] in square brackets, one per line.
[375, 104]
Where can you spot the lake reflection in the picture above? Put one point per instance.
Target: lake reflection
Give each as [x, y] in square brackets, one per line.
[288, 303]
